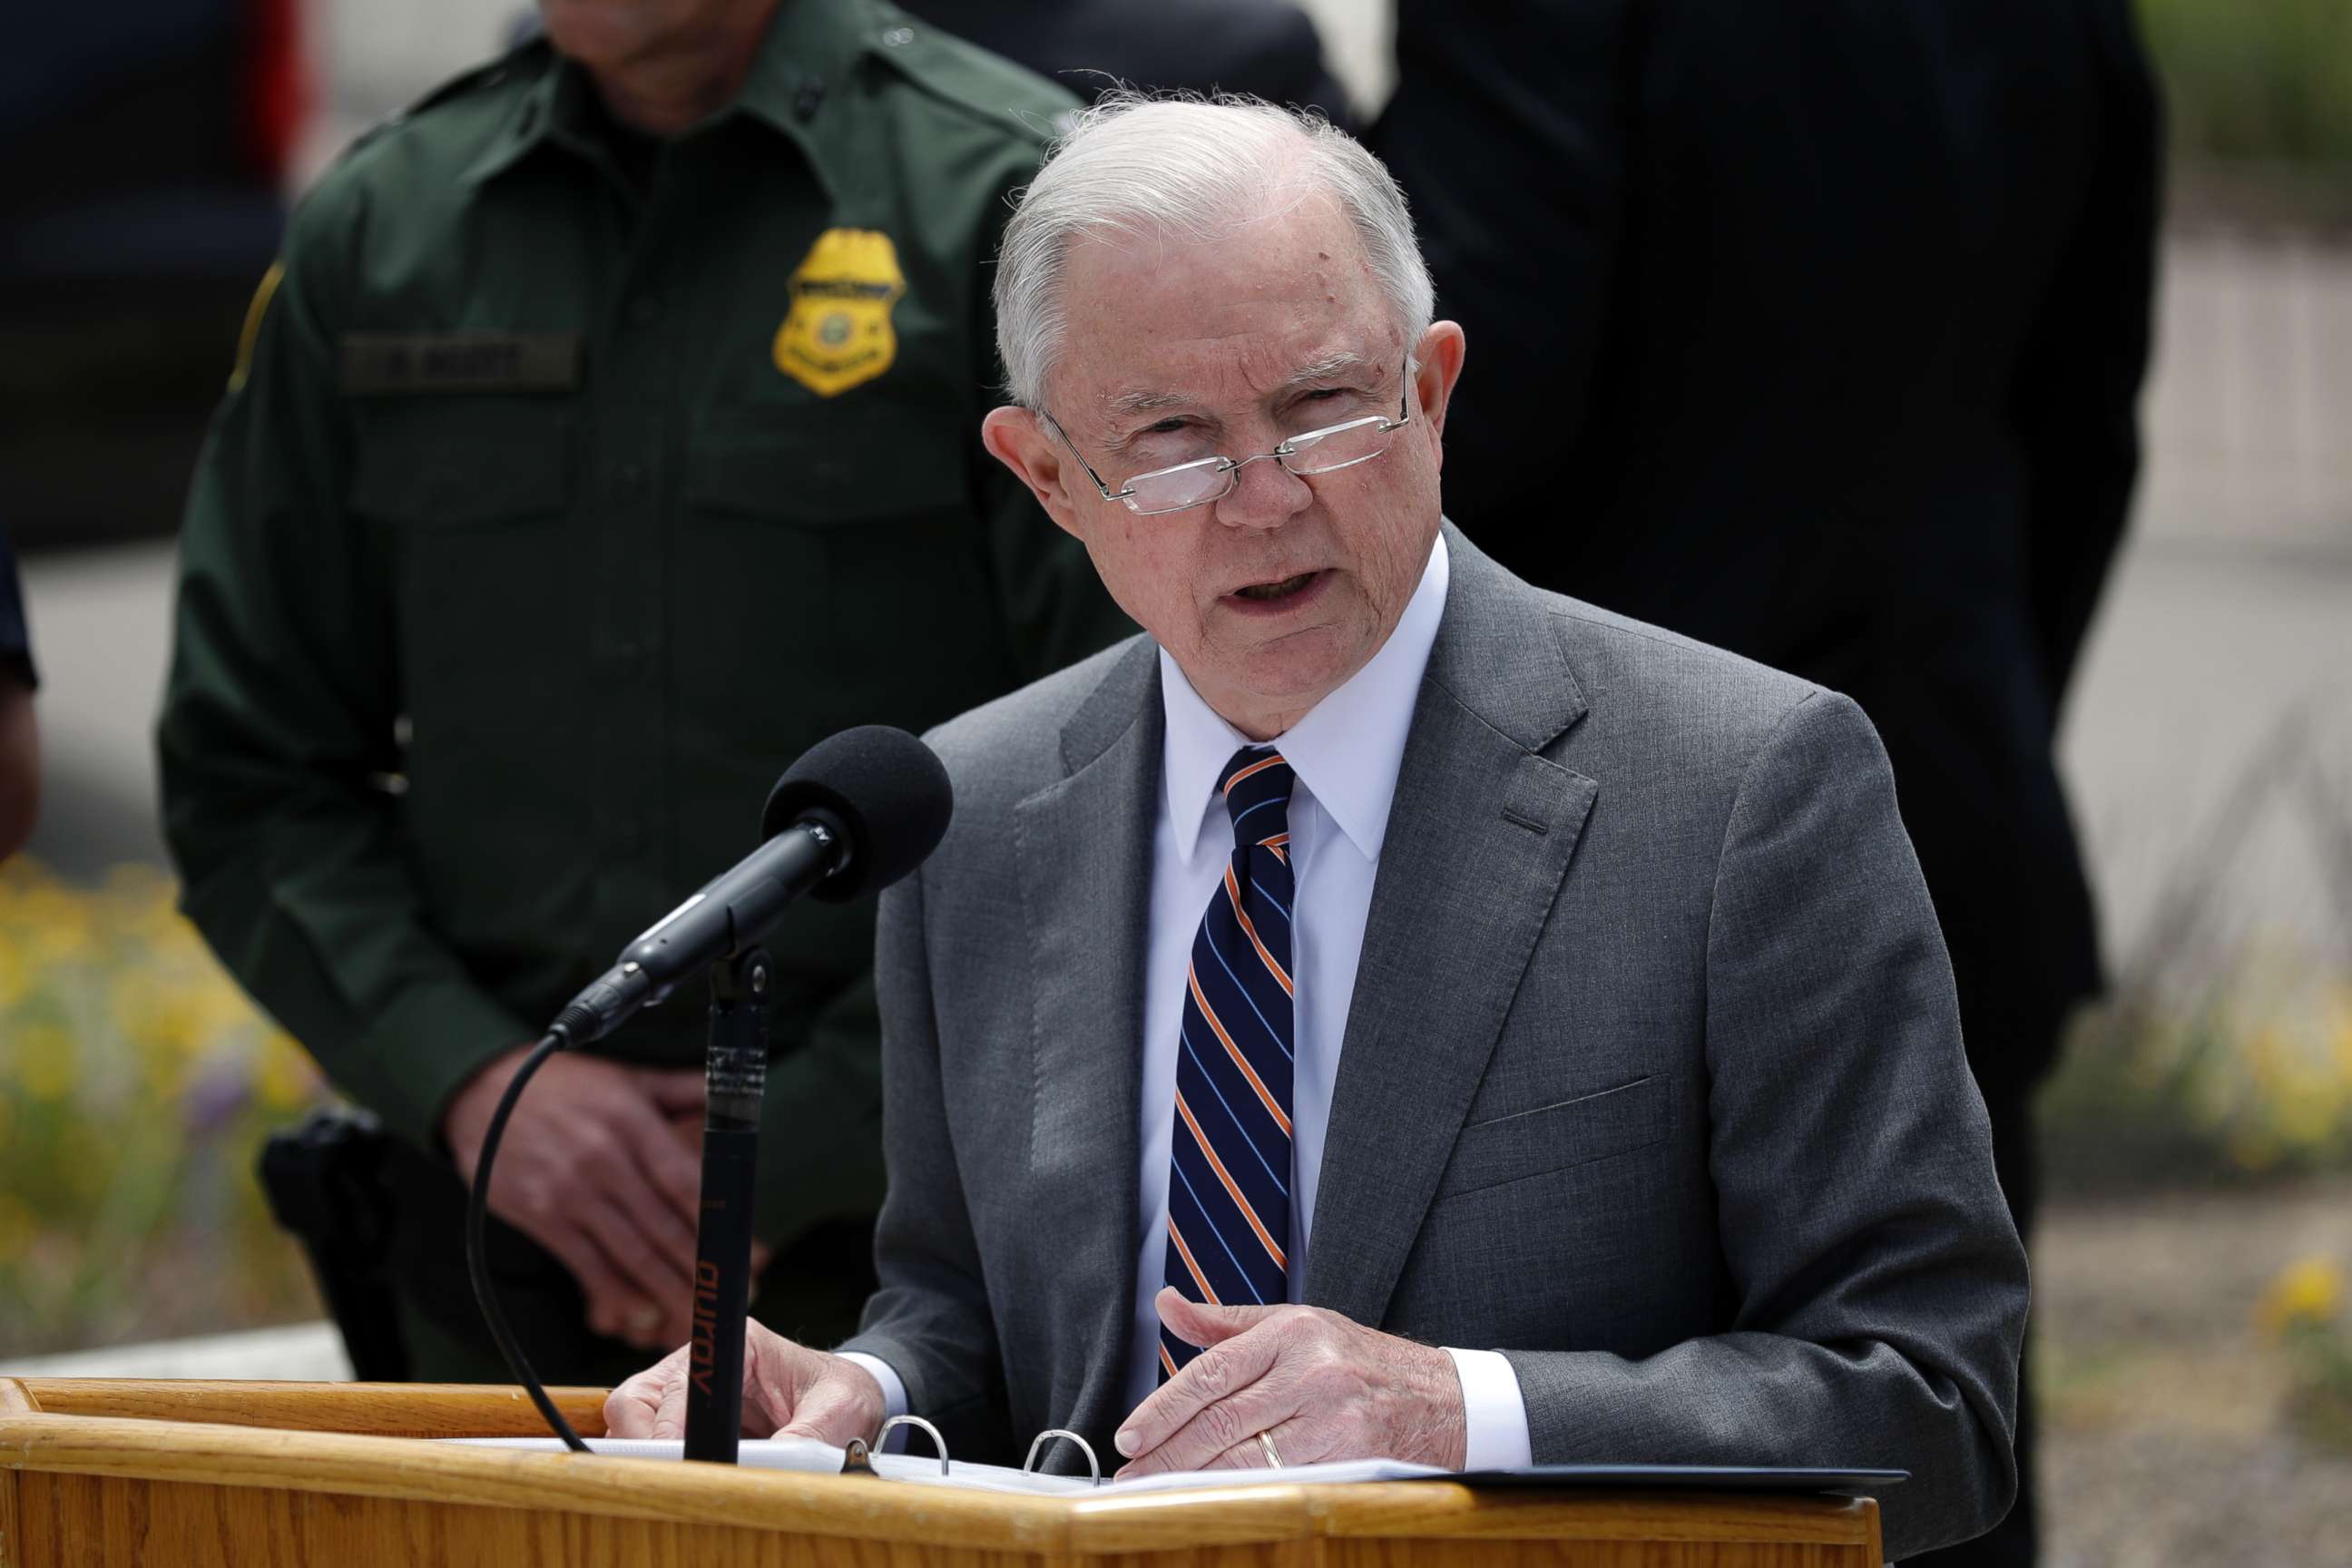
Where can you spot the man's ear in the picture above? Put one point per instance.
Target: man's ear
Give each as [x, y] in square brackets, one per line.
[1017, 438]
[1437, 366]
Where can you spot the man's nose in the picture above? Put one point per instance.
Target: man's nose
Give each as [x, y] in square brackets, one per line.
[1264, 495]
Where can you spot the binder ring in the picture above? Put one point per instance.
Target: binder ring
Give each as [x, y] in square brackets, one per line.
[939, 1444]
[1093, 1469]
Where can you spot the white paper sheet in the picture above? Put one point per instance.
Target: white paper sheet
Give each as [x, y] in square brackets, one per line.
[807, 1455]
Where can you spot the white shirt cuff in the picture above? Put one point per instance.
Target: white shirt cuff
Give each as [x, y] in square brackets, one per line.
[894, 1388]
[1495, 1417]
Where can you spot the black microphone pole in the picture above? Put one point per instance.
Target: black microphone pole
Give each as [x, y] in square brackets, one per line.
[858, 812]
[736, 1079]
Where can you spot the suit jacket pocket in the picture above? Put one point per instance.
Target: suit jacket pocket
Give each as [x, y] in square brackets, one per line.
[1546, 1138]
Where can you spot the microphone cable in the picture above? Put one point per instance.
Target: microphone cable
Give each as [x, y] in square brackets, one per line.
[477, 1210]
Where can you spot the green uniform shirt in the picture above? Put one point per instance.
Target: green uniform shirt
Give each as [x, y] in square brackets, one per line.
[568, 488]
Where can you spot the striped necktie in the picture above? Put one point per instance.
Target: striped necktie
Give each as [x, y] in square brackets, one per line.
[1229, 1181]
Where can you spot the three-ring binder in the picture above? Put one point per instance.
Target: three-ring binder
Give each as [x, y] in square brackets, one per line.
[1093, 1469]
[858, 1457]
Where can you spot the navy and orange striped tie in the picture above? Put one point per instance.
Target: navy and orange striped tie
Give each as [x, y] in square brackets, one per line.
[1229, 1184]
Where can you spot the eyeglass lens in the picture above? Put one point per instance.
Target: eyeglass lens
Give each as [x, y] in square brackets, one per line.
[1212, 479]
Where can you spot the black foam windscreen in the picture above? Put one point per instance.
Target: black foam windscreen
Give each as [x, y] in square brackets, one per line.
[887, 788]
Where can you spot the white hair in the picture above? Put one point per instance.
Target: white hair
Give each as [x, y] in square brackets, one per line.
[1182, 165]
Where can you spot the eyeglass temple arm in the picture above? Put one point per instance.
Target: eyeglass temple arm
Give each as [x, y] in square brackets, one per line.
[1108, 493]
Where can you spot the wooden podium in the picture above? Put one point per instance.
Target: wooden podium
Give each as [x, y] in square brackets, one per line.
[117, 1471]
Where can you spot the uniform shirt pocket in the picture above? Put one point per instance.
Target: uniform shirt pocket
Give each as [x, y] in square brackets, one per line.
[848, 465]
[474, 466]
[469, 501]
[852, 536]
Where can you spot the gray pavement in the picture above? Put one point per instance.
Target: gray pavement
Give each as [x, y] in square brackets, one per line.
[2208, 751]
[101, 631]
[298, 1352]
[2209, 741]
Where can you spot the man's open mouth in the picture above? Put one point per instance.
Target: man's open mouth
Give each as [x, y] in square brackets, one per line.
[1281, 590]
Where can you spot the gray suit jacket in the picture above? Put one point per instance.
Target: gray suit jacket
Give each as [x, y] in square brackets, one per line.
[1651, 1080]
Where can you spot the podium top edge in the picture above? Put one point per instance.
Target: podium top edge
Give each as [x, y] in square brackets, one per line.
[168, 1440]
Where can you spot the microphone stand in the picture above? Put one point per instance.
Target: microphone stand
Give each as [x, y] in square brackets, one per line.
[736, 1077]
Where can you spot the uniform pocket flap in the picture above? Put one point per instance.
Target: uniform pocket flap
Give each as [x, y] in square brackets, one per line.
[452, 467]
[1574, 1131]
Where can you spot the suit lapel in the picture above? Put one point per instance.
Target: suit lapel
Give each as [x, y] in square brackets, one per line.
[1085, 869]
[1479, 836]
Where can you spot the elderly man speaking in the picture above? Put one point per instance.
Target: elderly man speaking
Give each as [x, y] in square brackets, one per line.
[1388, 1010]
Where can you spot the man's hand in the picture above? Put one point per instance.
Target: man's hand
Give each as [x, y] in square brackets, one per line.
[1325, 1388]
[789, 1391]
[591, 1169]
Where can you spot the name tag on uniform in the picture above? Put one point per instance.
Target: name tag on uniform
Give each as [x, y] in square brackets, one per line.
[380, 363]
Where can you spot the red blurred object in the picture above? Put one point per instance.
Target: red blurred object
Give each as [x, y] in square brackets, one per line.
[274, 89]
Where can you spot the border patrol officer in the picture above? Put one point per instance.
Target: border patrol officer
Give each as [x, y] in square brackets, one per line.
[606, 435]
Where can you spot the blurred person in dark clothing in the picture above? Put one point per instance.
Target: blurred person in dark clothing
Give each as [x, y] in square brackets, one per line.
[1266, 47]
[1816, 333]
[605, 439]
[20, 740]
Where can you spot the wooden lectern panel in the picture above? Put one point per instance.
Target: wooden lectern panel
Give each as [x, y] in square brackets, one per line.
[98, 1470]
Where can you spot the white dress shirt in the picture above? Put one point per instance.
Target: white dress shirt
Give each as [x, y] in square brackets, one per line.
[1346, 752]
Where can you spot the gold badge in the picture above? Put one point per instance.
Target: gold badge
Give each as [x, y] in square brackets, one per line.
[838, 332]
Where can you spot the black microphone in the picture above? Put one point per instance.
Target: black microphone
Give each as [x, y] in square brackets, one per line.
[891, 798]
[858, 812]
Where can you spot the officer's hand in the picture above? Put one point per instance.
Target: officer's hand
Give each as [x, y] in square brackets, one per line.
[789, 1391]
[687, 1129]
[591, 1170]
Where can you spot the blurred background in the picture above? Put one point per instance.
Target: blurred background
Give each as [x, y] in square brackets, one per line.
[2196, 1369]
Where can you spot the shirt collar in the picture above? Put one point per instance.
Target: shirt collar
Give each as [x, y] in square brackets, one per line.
[533, 118]
[805, 68]
[1346, 749]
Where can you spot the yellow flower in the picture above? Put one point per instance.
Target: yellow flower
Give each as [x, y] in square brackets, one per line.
[2307, 1104]
[17, 1227]
[286, 1080]
[2253, 1149]
[2342, 1041]
[2266, 1061]
[56, 924]
[44, 1062]
[2310, 1291]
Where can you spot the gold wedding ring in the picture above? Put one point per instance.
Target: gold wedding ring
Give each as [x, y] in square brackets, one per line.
[1272, 1454]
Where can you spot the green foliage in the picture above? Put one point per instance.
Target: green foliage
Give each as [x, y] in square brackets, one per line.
[2255, 79]
[136, 1085]
[2304, 1311]
[2320, 1397]
[2248, 1075]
